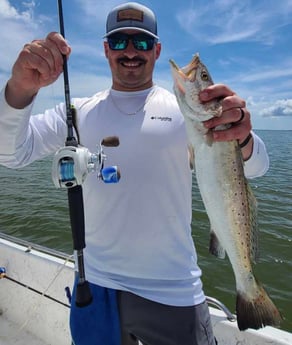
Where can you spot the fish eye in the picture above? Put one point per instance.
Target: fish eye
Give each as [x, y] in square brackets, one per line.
[204, 75]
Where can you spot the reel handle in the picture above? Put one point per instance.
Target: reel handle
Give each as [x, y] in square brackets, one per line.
[112, 141]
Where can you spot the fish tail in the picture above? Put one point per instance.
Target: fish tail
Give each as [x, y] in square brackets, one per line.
[257, 312]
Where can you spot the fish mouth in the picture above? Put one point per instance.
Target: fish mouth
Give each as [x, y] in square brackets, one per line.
[173, 64]
[178, 77]
[187, 72]
[191, 69]
[176, 70]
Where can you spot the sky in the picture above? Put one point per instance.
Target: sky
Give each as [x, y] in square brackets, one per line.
[245, 44]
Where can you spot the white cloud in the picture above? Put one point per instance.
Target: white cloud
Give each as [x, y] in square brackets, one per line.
[233, 21]
[281, 107]
[270, 73]
[24, 14]
[262, 75]
[18, 26]
[95, 12]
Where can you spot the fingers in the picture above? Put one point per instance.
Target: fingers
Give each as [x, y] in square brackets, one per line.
[39, 64]
[41, 61]
[40, 56]
[60, 42]
[48, 54]
[215, 91]
[242, 114]
[238, 130]
[234, 114]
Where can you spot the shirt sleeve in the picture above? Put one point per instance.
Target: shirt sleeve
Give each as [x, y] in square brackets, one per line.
[25, 138]
[258, 164]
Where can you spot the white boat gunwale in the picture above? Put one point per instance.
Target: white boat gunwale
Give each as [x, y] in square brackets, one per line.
[33, 301]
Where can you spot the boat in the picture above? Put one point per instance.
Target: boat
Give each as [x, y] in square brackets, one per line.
[35, 295]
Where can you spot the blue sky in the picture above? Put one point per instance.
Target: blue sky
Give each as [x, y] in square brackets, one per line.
[245, 44]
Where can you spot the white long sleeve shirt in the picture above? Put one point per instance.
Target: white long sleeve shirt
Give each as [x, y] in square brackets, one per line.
[138, 232]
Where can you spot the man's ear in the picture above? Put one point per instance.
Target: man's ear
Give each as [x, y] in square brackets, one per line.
[158, 50]
[106, 48]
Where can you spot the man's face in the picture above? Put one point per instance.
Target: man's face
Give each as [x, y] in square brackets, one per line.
[132, 69]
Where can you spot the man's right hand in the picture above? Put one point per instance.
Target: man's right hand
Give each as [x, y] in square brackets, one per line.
[39, 64]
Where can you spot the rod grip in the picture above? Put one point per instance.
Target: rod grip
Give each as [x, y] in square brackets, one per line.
[76, 211]
[83, 294]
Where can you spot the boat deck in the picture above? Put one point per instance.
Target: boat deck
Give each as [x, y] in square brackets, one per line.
[12, 334]
[34, 307]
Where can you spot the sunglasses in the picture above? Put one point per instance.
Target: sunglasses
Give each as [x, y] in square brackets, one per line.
[120, 41]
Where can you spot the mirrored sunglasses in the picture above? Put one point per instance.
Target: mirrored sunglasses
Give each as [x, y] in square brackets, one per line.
[120, 41]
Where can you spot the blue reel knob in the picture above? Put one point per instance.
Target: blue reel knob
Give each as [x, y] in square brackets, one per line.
[110, 174]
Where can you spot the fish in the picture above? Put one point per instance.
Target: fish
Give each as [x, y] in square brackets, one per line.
[228, 198]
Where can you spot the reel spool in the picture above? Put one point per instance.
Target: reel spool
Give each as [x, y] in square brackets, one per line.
[72, 164]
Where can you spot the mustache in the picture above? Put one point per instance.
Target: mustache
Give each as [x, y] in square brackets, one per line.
[135, 59]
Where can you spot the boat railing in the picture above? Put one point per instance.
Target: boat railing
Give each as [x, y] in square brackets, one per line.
[215, 302]
[33, 246]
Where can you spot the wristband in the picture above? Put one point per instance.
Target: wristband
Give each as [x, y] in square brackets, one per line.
[245, 141]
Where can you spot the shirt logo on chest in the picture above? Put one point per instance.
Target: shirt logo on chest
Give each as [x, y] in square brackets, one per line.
[161, 118]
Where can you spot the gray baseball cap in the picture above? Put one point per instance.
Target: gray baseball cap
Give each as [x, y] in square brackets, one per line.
[131, 15]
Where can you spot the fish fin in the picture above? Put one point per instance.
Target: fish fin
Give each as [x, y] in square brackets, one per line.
[254, 235]
[215, 247]
[258, 312]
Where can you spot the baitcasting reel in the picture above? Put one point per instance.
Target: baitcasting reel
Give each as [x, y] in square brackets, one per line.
[72, 164]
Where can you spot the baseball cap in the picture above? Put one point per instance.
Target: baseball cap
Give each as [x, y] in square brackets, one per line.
[131, 15]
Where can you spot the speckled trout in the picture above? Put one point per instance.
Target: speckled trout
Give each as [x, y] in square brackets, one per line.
[227, 197]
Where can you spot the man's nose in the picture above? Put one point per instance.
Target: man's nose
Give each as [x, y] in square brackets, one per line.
[130, 51]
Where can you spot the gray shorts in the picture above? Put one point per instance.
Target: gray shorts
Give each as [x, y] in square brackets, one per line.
[153, 323]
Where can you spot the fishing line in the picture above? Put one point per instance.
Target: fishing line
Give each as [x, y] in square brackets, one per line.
[43, 294]
[37, 291]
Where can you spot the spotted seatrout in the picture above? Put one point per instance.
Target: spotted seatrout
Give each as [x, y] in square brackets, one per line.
[228, 199]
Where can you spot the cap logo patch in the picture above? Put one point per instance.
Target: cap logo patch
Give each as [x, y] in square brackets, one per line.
[130, 14]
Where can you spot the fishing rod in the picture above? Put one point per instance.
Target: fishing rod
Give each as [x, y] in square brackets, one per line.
[71, 164]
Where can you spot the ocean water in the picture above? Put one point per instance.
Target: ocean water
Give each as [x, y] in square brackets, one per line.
[33, 209]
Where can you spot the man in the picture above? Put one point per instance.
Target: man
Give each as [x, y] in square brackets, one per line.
[140, 259]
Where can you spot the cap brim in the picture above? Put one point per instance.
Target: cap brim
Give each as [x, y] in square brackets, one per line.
[130, 28]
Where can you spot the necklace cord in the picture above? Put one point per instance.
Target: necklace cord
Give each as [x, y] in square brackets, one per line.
[150, 94]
